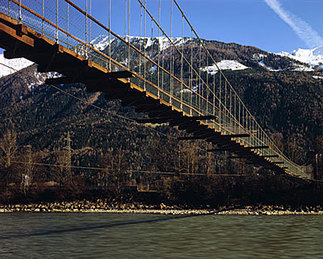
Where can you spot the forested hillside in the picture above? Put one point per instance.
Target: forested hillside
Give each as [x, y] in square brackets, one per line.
[285, 101]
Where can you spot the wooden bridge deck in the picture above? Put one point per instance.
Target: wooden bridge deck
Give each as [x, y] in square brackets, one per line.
[21, 41]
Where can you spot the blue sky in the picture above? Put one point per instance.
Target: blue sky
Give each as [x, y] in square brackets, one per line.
[247, 22]
[253, 22]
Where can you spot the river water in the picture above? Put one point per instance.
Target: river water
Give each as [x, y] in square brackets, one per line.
[65, 235]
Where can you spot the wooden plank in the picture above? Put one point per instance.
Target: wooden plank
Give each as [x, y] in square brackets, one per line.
[156, 120]
[13, 33]
[62, 66]
[206, 117]
[8, 19]
[257, 147]
[132, 100]
[231, 148]
[14, 53]
[41, 38]
[160, 114]
[120, 74]
[61, 80]
[21, 29]
[184, 124]
[217, 150]
[118, 90]
[192, 138]
[219, 137]
[150, 107]
[236, 136]
[198, 136]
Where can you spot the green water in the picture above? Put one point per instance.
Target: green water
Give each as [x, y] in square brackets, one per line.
[32, 235]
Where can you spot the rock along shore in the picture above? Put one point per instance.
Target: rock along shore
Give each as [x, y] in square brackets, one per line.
[101, 206]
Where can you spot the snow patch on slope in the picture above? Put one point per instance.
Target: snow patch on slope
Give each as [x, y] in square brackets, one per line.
[299, 67]
[224, 65]
[262, 63]
[7, 65]
[318, 77]
[260, 58]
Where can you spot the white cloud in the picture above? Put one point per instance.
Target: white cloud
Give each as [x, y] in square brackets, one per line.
[300, 27]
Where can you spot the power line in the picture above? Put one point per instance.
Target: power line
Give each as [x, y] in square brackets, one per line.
[126, 172]
[63, 166]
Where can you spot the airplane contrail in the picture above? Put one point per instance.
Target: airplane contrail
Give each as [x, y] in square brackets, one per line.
[304, 31]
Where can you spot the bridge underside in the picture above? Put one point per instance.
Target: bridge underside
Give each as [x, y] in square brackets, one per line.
[21, 41]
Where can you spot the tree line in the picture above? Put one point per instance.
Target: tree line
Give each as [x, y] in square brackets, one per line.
[181, 175]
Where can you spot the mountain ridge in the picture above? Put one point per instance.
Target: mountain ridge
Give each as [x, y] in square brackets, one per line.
[305, 59]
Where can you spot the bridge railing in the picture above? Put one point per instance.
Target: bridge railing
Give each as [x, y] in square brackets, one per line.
[180, 74]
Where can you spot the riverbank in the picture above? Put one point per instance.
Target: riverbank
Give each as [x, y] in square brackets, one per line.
[101, 206]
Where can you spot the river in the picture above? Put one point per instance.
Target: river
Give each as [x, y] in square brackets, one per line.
[95, 235]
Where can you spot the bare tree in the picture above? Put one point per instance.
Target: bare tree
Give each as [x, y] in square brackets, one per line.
[8, 145]
[26, 175]
[63, 173]
[190, 156]
[116, 166]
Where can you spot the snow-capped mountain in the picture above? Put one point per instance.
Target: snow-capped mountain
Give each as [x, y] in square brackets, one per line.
[6, 65]
[241, 58]
[313, 57]
[228, 56]
[102, 41]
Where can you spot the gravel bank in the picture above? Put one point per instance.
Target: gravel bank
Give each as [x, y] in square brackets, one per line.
[101, 206]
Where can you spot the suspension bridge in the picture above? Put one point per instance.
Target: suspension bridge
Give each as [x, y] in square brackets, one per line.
[163, 80]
